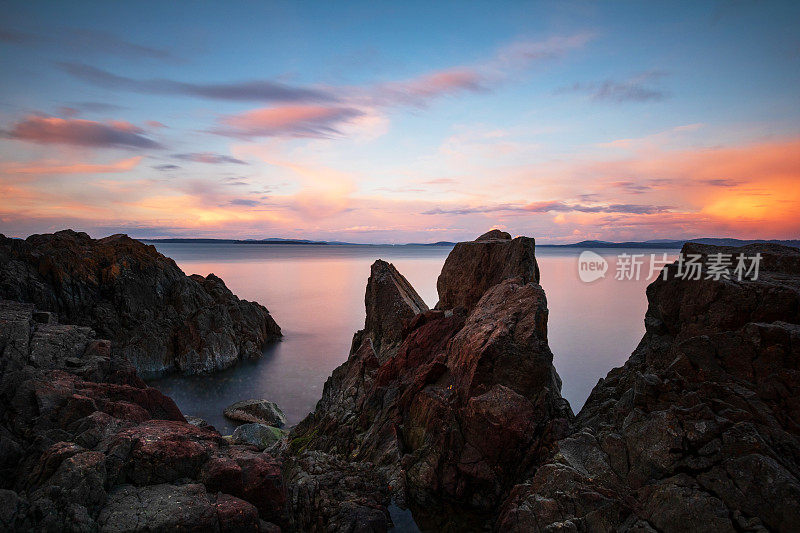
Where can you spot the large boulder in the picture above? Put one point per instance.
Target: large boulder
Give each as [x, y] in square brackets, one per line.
[157, 317]
[449, 406]
[474, 267]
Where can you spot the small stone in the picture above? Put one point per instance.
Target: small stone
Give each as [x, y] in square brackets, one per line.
[256, 411]
[258, 435]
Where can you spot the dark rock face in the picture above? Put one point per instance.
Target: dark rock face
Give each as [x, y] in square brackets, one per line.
[85, 445]
[699, 430]
[444, 408]
[256, 412]
[157, 317]
[474, 267]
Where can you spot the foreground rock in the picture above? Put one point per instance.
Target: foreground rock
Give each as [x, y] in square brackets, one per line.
[85, 445]
[256, 412]
[699, 430]
[156, 317]
[445, 409]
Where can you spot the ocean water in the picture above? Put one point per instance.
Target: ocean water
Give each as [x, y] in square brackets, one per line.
[316, 294]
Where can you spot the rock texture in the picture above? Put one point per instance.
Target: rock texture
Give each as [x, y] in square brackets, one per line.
[699, 430]
[85, 445]
[444, 409]
[157, 317]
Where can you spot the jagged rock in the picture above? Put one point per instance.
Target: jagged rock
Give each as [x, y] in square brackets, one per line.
[698, 431]
[256, 412]
[474, 267]
[259, 435]
[390, 301]
[156, 316]
[459, 406]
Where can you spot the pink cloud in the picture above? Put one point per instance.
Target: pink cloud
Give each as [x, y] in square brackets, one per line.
[289, 121]
[52, 130]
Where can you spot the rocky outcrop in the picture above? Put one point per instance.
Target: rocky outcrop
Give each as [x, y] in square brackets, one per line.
[474, 267]
[446, 408]
[699, 430]
[85, 445]
[256, 412]
[156, 317]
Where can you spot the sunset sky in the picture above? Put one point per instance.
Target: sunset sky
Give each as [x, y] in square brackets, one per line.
[401, 122]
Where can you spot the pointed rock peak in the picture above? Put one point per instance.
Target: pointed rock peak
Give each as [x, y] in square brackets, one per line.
[390, 301]
[474, 267]
[495, 234]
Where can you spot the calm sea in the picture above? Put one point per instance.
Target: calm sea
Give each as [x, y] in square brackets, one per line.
[316, 294]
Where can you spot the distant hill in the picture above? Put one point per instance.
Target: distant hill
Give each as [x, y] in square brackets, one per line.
[654, 244]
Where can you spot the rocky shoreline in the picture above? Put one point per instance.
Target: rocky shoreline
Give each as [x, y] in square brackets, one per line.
[454, 413]
[157, 318]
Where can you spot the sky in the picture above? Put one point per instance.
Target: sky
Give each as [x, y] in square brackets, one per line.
[393, 122]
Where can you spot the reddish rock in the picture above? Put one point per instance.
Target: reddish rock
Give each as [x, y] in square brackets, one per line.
[116, 454]
[464, 402]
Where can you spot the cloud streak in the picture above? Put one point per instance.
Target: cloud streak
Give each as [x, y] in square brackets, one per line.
[638, 88]
[52, 130]
[552, 206]
[123, 165]
[85, 41]
[209, 158]
[288, 121]
[241, 91]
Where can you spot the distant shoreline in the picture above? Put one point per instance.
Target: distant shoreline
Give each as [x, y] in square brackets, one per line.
[660, 244]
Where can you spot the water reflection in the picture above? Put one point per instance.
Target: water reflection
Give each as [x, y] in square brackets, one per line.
[316, 294]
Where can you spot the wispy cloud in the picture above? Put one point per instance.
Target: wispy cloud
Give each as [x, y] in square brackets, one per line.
[640, 88]
[417, 91]
[52, 130]
[209, 158]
